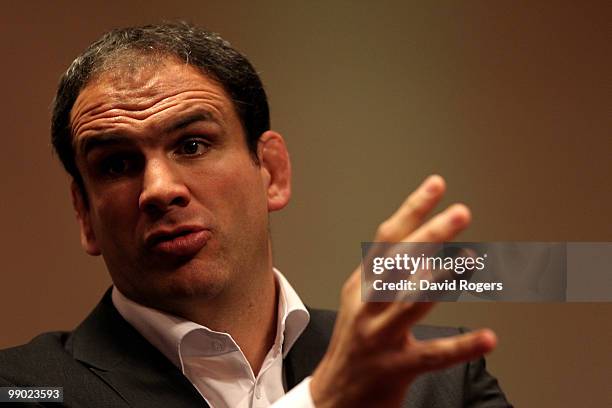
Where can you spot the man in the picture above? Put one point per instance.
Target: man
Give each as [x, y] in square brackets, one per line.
[165, 132]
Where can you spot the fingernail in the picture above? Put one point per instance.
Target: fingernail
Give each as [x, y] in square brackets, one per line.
[459, 215]
[458, 219]
[432, 186]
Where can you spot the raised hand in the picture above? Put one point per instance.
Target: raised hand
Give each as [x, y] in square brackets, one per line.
[373, 357]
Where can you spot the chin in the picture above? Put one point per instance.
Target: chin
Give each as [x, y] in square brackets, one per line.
[193, 281]
[167, 289]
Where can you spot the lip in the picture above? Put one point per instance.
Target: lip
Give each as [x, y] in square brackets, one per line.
[182, 241]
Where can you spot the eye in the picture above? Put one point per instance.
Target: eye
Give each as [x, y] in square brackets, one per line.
[192, 147]
[116, 165]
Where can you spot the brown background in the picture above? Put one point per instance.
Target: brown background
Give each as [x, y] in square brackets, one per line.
[510, 101]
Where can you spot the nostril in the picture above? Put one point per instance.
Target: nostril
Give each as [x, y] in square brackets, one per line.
[158, 205]
[180, 201]
[153, 208]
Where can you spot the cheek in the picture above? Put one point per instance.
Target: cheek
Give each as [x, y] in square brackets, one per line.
[235, 191]
[115, 214]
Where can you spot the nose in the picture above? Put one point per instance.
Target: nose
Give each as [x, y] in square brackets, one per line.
[162, 188]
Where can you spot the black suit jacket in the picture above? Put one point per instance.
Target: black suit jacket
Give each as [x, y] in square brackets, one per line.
[105, 362]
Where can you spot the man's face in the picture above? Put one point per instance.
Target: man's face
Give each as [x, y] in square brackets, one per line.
[176, 205]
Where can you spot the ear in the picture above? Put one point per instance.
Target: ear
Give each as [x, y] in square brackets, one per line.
[275, 169]
[88, 238]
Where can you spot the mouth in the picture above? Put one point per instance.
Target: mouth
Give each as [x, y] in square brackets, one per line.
[183, 241]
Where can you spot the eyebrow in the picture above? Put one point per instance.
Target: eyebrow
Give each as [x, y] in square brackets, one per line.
[99, 140]
[102, 139]
[201, 116]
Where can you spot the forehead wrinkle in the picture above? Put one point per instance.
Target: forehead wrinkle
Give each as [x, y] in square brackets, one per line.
[113, 98]
[82, 109]
[149, 86]
[98, 132]
[104, 116]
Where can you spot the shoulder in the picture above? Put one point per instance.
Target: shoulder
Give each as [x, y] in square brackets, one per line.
[44, 359]
[321, 319]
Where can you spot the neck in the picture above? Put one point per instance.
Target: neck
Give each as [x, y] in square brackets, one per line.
[250, 318]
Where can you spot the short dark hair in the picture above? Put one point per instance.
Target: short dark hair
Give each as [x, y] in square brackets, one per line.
[203, 49]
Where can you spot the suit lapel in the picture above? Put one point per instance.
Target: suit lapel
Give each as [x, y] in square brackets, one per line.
[129, 364]
[143, 377]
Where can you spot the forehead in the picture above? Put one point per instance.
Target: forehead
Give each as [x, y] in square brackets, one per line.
[140, 91]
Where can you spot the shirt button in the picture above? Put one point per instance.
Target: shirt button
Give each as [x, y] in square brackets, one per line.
[257, 393]
[217, 346]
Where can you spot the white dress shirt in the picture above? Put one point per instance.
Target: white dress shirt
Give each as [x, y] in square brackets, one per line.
[214, 363]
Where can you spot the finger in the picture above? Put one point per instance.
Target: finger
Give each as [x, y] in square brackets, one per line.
[350, 304]
[444, 226]
[351, 290]
[441, 353]
[411, 214]
[402, 314]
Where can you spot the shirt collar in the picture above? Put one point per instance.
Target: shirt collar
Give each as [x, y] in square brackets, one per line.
[166, 332]
[292, 314]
